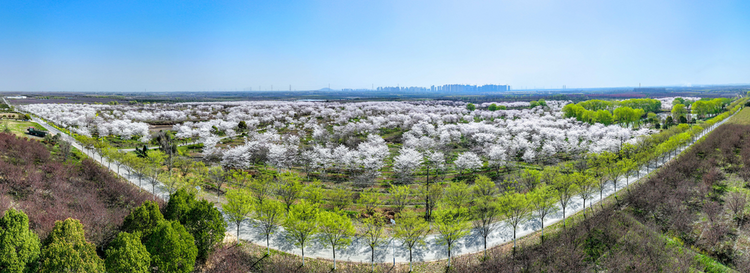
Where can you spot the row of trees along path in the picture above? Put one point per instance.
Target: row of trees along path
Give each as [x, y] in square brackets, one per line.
[382, 248]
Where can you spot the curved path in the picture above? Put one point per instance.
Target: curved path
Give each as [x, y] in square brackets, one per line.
[358, 251]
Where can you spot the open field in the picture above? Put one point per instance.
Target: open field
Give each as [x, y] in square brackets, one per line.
[19, 127]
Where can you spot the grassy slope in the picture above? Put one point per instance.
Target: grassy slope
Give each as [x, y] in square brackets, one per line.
[742, 118]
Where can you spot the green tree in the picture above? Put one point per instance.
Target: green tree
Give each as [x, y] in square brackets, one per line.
[179, 204]
[400, 196]
[678, 110]
[143, 219]
[172, 248]
[219, 177]
[604, 117]
[336, 231]
[262, 187]
[452, 226]
[492, 107]
[516, 209]
[206, 224]
[411, 228]
[471, 107]
[542, 201]
[369, 199]
[242, 126]
[340, 198]
[126, 254]
[302, 224]
[586, 186]
[530, 178]
[483, 187]
[238, 207]
[457, 195]
[565, 189]
[485, 212]
[289, 188]
[313, 193]
[66, 250]
[269, 216]
[19, 246]
[432, 197]
[373, 231]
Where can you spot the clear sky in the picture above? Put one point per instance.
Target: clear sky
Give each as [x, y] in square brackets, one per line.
[235, 45]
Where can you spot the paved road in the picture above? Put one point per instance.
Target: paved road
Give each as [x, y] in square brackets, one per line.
[358, 251]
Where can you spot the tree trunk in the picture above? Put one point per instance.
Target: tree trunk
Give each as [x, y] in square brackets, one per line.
[564, 227]
[485, 245]
[238, 231]
[410, 269]
[449, 255]
[303, 256]
[584, 208]
[372, 259]
[268, 246]
[334, 258]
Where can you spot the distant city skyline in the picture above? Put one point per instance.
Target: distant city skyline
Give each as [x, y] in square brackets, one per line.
[215, 45]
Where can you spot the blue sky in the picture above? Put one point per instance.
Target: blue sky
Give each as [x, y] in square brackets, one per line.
[235, 45]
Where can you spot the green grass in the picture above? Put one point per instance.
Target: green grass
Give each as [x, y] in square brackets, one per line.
[742, 118]
[19, 127]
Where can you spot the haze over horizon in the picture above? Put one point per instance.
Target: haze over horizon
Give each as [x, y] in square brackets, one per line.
[197, 46]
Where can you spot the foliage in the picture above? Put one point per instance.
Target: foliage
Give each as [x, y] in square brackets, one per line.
[268, 216]
[289, 188]
[126, 253]
[206, 224]
[452, 226]
[238, 207]
[336, 231]
[456, 195]
[516, 209]
[143, 219]
[301, 224]
[373, 232]
[66, 250]
[172, 248]
[400, 196]
[369, 199]
[19, 246]
[411, 228]
[179, 204]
